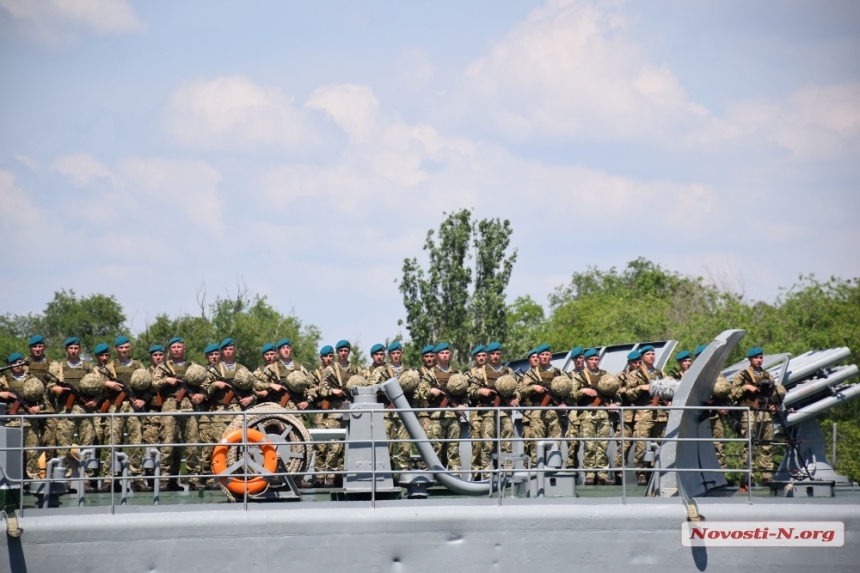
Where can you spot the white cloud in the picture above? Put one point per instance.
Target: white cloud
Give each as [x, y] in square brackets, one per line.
[234, 112]
[81, 168]
[28, 161]
[99, 16]
[18, 213]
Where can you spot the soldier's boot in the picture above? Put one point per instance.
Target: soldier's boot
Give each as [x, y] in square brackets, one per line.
[589, 479]
[642, 479]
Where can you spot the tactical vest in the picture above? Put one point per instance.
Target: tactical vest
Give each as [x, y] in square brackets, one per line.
[487, 375]
[281, 371]
[39, 369]
[219, 394]
[123, 373]
[14, 383]
[173, 370]
[540, 376]
[590, 379]
[73, 376]
[344, 374]
[753, 379]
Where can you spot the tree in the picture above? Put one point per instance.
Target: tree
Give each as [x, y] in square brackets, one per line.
[439, 304]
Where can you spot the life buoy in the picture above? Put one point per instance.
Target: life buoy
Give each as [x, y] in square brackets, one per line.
[238, 485]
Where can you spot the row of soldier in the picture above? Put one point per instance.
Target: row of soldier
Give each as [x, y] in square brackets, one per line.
[436, 390]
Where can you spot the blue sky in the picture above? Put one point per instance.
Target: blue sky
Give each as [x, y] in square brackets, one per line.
[150, 148]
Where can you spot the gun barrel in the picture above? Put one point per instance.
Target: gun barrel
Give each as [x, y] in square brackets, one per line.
[816, 408]
[816, 385]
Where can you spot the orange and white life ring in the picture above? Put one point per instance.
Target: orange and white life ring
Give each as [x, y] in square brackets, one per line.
[238, 485]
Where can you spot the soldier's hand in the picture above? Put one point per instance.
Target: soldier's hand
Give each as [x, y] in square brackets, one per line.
[220, 385]
[750, 388]
[645, 387]
[7, 395]
[58, 390]
[435, 391]
[723, 412]
[171, 380]
[138, 404]
[245, 402]
[302, 405]
[113, 385]
[277, 387]
[337, 392]
[485, 392]
[35, 410]
[771, 408]
[612, 407]
[589, 392]
[91, 404]
[196, 398]
[515, 402]
[537, 388]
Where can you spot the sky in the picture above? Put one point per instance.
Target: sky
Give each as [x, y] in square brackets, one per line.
[156, 150]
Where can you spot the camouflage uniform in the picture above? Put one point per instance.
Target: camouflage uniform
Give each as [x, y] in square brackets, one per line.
[762, 420]
[440, 426]
[593, 423]
[30, 437]
[485, 377]
[276, 373]
[132, 424]
[212, 427]
[176, 429]
[330, 455]
[70, 431]
[718, 425]
[394, 429]
[649, 424]
[151, 425]
[46, 428]
[539, 424]
[627, 427]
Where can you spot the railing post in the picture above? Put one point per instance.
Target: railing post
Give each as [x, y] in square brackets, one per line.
[623, 463]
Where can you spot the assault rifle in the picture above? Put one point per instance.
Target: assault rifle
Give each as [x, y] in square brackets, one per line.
[184, 390]
[232, 391]
[14, 365]
[326, 404]
[19, 402]
[450, 401]
[124, 392]
[70, 395]
[287, 394]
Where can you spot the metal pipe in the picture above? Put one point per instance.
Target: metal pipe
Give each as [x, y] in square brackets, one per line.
[394, 392]
[813, 386]
[814, 364]
[823, 405]
[833, 455]
[542, 447]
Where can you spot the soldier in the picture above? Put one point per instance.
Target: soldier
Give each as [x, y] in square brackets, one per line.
[394, 429]
[322, 420]
[718, 417]
[634, 361]
[183, 429]
[333, 394]
[377, 357]
[441, 426]
[594, 423]
[38, 366]
[482, 392]
[535, 392]
[117, 376]
[755, 388]
[649, 424]
[479, 355]
[576, 355]
[24, 395]
[274, 378]
[151, 425]
[65, 382]
[261, 385]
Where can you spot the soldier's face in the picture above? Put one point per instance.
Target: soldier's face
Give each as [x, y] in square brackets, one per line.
[269, 356]
[378, 357]
[228, 353]
[444, 357]
[544, 358]
[634, 364]
[343, 355]
[648, 358]
[102, 359]
[534, 360]
[37, 350]
[285, 352]
[756, 361]
[480, 358]
[327, 359]
[685, 364]
[18, 368]
[156, 358]
[396, 356]
[592, 362]
[177, 351]
[123, 351]
[579, 362]
[73, 352]
[495, 357]
[429, 360]
[213, 357]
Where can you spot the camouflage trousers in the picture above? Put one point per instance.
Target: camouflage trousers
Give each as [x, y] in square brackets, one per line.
[475, 421]
[178, 430]
[718, 431]
[47, 431]
[538, 425]
[622, 453]
[31, 440]
[79, 431]
[329, 454]
[573, 444]
[212, 429]
[595, 424]
[399, 451]
[487, 447]
[150, 427]
[439, 429]
[651, 429]
[762, 429]
[114, 436]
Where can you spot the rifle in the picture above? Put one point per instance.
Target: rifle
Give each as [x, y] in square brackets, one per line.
[326, 404]
[287, 394]
[124, 392]
[233, 391]
[19, 401]
[184, 389]
[71, 394]
[14, 365]
[449, 401]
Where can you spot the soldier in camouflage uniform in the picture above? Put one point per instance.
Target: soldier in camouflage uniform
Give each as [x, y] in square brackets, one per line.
[622, 454]
[534, 391]
[747, 391]
[394, 429]
[78, 431]
[649, 424]
[479, 356]
[121, 369]
[482, 392]
[442, 425]
[718, 417]
[39, 367]
[32, 390]
[261, 385]
[332, 394]
[573, 434]
[273, 379]
[593, 423]
[151, 425]
[181, 429]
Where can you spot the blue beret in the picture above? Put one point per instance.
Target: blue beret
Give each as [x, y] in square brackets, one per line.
[428, 349]
[101, 348]
[268, 347]
[327, 349]
[478, 349]
[36, 339]
[577, 352]
[284, 342]
[210, 348]
[543, 348]
[174, 340]
[120, 340]
[699, 349]
[493, 346]
[227, 342]
[395, 346]
[531, 352]
[377, 348]
[590, 352]
[72, 340]
[646, 348]
[342, 344]
[634, 355]
[683, 355]
[442, 346]
[14, 357]
[156, 348]
[754, 351]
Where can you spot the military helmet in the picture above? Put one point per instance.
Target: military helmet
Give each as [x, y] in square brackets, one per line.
[561, 386]
[195, 375]
[457, 385]
[33, 389]
[91, 384]
[409, 381]
[298, 381]
[722, 389]
[357, 380]
[506, 386]
[141, 380]
[244, 379]
[608, 385]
